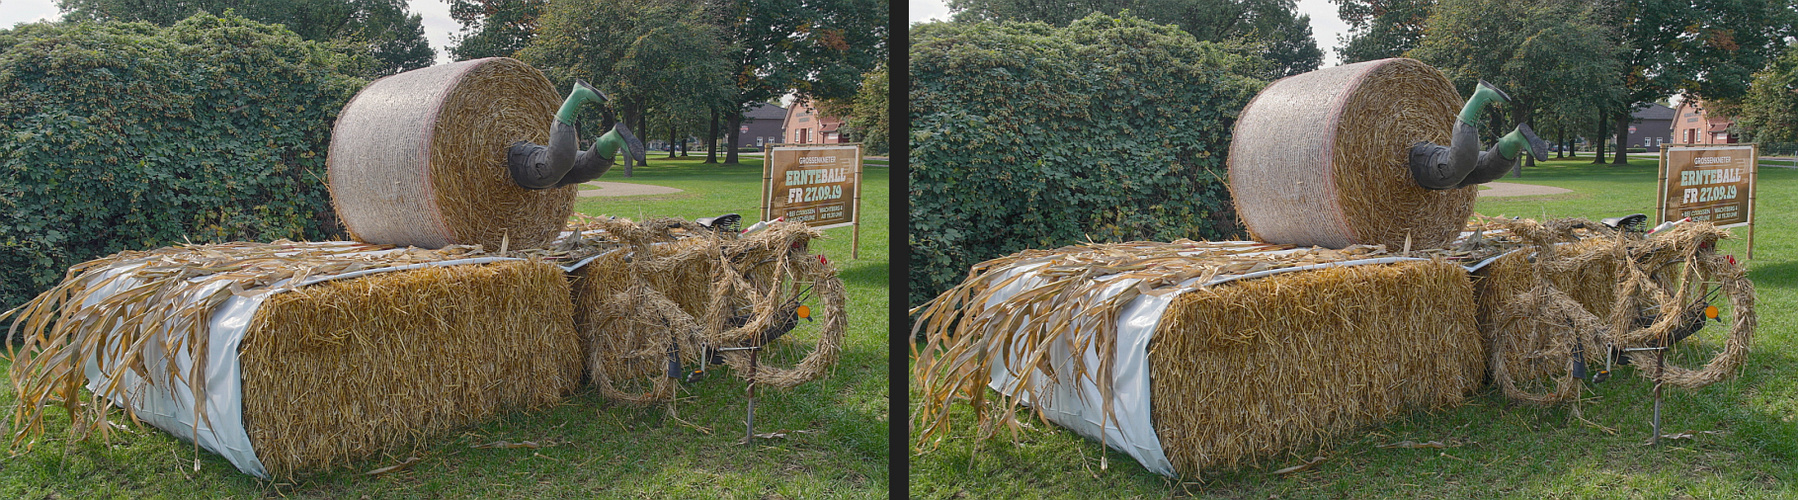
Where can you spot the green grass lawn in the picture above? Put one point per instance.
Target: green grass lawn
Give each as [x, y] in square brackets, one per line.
[836, 444]
[1495, 449]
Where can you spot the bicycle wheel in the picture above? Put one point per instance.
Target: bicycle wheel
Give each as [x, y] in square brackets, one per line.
[790, 307]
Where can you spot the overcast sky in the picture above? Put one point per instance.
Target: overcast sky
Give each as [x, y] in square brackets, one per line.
[437, 22]
[1325, 26]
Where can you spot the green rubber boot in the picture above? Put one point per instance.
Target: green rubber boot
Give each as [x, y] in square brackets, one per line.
[1483, 94]
[1522, 138]
[596, 160]
[541, 167]
[608, 145]
[581, 93]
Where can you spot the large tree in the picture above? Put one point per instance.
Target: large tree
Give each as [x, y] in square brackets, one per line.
[1379, 29]
[817, 49]
[641, 53]
[387, 37]
[1550, 56]
[1705, 49]
[494, 28]
[868, 111]
[1271, 27]
[1770, 110]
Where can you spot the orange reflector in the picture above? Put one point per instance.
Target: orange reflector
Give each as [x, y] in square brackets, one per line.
[1710, 312]
[806, 311]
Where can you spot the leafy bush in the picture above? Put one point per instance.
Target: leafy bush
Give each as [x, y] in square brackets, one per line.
[117, 136]
[1024, 135]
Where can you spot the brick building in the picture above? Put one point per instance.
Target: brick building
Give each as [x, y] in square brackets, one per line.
[805, 126]
[1693, 125]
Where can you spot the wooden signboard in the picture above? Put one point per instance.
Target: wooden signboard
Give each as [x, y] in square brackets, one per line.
[1709, 183]
[819, 185]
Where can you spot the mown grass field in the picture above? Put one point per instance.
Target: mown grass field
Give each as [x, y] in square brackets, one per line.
[836, 444]
[1495, 449]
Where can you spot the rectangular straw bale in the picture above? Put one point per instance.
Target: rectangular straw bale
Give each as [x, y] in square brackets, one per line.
[354, 368]
[1250, 369]
[1592, 283]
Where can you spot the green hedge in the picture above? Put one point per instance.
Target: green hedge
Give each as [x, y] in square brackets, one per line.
[117, 136]
[1024, 135]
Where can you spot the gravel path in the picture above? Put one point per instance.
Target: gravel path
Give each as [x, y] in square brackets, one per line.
[1510, 189]
[623, 189]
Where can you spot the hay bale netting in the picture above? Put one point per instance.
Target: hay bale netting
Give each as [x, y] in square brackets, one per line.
[315, 354]
[1254, 368]
[1194, 355]
[1320, 158]
[419, 158]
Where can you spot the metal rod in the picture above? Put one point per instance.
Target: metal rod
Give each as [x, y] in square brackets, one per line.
[730, 349]
[1658, 360]
[1754, 169]
[750, 421]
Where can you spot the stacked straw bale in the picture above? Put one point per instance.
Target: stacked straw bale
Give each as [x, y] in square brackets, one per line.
[419, 158]
[351, 369]
[1320, 158]
[1253, 368]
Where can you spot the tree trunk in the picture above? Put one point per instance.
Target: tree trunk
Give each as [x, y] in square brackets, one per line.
[1524, 116]
[735, 120]
[1598, 141]
[643, 125]
[633, 115]
[711, 140]
[670, 137]
[1622, 139]
[1560, 142]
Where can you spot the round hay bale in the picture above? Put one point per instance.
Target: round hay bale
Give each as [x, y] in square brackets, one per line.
[1320, 158]
[419, 158]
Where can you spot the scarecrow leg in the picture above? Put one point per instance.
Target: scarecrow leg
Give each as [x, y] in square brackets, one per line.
[539, 167]
[1496, 161]
[595, 161]
[1461, 163]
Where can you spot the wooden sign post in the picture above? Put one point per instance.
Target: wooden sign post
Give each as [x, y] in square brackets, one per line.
[1709, 183]
[819, 185]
